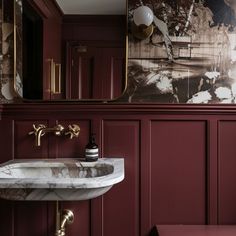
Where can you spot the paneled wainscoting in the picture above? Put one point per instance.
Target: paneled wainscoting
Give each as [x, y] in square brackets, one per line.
[179, 166]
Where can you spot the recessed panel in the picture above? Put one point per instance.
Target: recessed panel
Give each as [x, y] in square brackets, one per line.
[227, 173]
[121, 203]
[178, 172]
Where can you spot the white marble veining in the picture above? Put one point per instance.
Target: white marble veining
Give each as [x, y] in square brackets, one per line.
[59, 179]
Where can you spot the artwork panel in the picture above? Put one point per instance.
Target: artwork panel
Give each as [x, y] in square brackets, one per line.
[189, 58]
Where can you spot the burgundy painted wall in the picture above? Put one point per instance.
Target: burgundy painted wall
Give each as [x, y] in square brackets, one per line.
[178, 171]
[179, 166]
[98, 71]
[94, 28]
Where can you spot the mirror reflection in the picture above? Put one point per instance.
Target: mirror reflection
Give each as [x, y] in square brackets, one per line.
[70, 49]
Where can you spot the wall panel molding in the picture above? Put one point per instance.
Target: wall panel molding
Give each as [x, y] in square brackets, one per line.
[178, 172]
[121, 138]
[67, 109]
[184, 158]
[145, 179]
[226, 171]
[212, 168]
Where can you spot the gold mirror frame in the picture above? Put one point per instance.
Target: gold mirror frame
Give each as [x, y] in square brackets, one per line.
[55, 66]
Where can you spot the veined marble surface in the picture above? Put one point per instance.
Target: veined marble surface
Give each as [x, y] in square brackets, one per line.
[59, 179]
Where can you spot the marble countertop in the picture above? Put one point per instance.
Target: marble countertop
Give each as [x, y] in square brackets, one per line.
[61, 173]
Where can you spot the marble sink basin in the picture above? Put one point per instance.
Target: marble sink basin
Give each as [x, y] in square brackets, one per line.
[59, 179]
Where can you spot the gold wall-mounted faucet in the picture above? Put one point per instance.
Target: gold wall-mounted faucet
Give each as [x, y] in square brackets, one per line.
[40, 130]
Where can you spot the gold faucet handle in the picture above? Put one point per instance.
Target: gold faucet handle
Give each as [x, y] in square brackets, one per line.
[59, 129]
[37, 128]
[73, 131]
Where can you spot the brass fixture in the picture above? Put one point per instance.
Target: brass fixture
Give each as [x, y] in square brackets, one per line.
[54, 76]
[62, 220]
[40, 130]
[56, 80]
[74, 131]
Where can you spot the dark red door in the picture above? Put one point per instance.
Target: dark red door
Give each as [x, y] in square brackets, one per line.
[96, 72]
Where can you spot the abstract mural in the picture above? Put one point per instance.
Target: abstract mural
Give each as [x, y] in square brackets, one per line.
[189, 58]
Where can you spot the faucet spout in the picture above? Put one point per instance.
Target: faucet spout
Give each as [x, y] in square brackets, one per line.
[39, 134]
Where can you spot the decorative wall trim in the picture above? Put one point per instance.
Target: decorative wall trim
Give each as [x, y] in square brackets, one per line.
[24, 109]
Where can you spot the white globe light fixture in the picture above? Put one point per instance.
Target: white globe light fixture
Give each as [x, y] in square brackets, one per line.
[143, 15]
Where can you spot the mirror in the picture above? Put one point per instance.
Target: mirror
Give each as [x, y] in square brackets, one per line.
[71, 50]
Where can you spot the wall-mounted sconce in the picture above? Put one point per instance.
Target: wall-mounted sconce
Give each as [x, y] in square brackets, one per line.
[142, 25]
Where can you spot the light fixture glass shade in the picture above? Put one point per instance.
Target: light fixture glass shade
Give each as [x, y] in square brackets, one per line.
[143, 15]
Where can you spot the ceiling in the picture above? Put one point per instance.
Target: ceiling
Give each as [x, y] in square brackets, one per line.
[93, 7]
